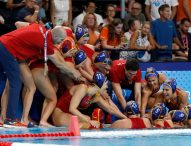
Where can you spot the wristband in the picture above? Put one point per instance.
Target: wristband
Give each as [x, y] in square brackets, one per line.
[36, 11]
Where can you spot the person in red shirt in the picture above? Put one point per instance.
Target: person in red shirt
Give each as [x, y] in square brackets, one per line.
[133, 121]
[126, 75]
[28, 43]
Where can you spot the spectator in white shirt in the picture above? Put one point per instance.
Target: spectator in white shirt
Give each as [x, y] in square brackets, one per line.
[89, 7]
[151, 9]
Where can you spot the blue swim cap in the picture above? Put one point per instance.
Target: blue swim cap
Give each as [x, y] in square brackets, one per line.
[150, 72]
[79, 57]
[103, 57]
[99, 79]
[81, 30]
[178, 116]
[188, 111]
[171, 83]
[132, 108]
[156, 113]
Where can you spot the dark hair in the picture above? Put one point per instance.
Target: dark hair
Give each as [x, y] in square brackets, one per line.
[184, 20]
[111, 28]
[162, 7]
[89, 1]
[132, 64]
[131, 22]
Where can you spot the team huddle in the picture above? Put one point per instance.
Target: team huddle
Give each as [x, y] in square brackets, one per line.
[76, 80]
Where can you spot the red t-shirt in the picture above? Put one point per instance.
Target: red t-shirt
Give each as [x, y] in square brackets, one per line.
[117, 73]
[27, 42]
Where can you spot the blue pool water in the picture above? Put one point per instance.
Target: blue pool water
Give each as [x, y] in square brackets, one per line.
[107, 137]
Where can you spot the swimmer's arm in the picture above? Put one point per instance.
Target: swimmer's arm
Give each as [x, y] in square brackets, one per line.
[162, 78]
[184, 99]
[59, 62]
[85, 74]
[144, 101]
[107, 107]
[118, 91]
[159, 97]
[78, 95]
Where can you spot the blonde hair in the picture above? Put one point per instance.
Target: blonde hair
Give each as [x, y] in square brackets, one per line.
[86, 18]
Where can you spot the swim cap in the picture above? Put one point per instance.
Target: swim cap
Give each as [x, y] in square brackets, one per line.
[67, 45]
[158, 111]
[132, 108]
[99, 79]
[171, 83]
[79, 57]
[178, 116]
[85, 102]
[151, 72]
[98, 115]
[81, 30]
[103, 57]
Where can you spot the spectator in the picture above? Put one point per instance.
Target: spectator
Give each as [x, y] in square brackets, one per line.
[164, 32]
[61, 12]
[110, 13]
[134, 25]
[130, 3]
[14, 6]
[185, 38]
[43, 7]
[151, 9]
[134, 14]
[143, 40]
[90, 22]
[126, 75]
[184, 10]
[30, 12]
[89, 7]
[111, 37]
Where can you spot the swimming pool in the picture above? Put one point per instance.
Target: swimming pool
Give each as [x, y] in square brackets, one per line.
[107, 137]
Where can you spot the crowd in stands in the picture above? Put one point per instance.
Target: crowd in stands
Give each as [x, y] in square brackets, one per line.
[78, 63]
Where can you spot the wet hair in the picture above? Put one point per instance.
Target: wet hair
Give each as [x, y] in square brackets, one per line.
[171, 83]
[163, 7]
[151, 72]
[132, 64]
